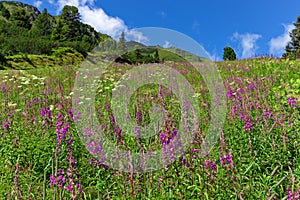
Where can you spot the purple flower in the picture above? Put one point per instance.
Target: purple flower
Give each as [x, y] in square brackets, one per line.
[248, 125]
[163, 139]
[52, 180]
[69, 142]
[69, 188]
[29, 104]
[36, 100]
[241, 116]
[61, 180]
[291, 101]
[267, 114]
[211, 164]
[3, 89]
[79, 188]
[292, 196]
[250, 87]
[258, 106]
[222, 160]
[242, 90]
[227, 159]
[6, 124]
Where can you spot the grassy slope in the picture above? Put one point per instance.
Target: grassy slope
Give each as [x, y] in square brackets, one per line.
[60, 57]
[35, 145]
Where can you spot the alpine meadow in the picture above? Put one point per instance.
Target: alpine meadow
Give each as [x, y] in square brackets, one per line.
[44, 155]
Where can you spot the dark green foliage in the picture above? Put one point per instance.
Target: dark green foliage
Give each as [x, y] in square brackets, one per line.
[2, 60]
[229, 54]
[30, 32]
[68, 27]
[292, 50]
[70, 13]
[21, 18]
[156, 57]
[43, 24]
[139, 56]
[4, 12]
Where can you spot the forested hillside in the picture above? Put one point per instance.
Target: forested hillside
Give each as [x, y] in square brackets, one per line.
[26, 30]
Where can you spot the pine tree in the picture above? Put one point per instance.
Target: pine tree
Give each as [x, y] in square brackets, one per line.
[43, 24]
[293, 48]
[156, 56]
[57, 32]
[70, 13]
[68, 26]
[122, 44]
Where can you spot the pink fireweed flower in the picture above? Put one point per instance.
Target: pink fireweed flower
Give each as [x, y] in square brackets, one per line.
[226, 159]
[248, 125]
[292, 101]
[6, 124]
[3, 89]
[52, 180]
[292, 196]
[60, 181]
[267, 114]
[211, 164]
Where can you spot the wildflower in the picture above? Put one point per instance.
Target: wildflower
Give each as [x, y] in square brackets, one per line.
[292, 196]
[163, 139]
[69, 188]
[60, 181]
[36, 100]
[291, 101]
[227, 159]
[195, 150]
[6, 124]
[3, 89]
[242, 90]
[79, 188]
[267, 114]
[158, 185]
[250, 87]
[211, 164]
[248, 125]
[52, 180]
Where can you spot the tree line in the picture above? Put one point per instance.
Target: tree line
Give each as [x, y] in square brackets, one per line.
[20, 34]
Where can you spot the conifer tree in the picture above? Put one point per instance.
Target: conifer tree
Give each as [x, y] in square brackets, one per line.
[122, 43]
[293, 47]
[43, 24]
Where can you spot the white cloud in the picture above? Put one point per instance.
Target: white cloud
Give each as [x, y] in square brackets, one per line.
[136, 36]
[37, 4]
[51, 1]
[248, 43]
[167, 44]
[277, 44]
[62, 3]
[100, 20]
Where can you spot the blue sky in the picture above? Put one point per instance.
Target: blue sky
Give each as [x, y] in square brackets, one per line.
[257, 27]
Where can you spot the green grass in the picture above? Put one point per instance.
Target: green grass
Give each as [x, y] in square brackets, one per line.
[63, 56]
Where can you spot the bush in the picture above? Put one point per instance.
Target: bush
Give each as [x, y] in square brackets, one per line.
[229, 54]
